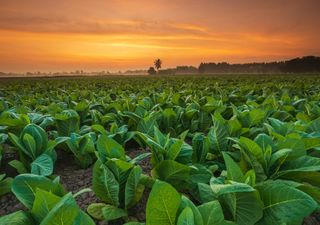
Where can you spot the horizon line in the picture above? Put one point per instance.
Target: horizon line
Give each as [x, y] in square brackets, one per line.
[123, 71]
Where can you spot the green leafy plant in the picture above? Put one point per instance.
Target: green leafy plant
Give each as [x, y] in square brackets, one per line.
[14, 121]
[165, 148]
[171, 158]
[46, 201]
[166, 206]
[117, 184]
[36, 152]
[244, 149]
[120, 134]
[116, 181]
[82, 147]
[5, 184]
[67, 122]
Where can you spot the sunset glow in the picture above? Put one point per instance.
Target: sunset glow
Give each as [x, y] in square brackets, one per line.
[119, 34]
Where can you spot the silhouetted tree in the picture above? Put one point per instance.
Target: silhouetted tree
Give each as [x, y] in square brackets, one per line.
[152, 71]
[158, 64]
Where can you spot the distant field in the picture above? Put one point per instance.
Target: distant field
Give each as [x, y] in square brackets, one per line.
[220, 149]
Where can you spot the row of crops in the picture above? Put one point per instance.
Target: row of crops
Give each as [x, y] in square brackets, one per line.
[222, 150]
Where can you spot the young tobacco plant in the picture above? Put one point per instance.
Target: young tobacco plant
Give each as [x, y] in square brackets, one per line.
[47, 203]
[166, 206]
[82, 147]
[36, 151]
[120, 134]
[116, 181]
[171, 158]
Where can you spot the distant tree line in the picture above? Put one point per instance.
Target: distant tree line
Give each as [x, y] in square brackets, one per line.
[307, 64]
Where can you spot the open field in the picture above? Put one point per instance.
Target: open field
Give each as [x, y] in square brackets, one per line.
[160, 150]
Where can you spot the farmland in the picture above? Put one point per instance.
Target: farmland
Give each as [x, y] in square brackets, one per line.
[160, 150]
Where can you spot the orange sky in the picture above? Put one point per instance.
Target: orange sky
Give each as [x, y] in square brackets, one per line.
[93, 35]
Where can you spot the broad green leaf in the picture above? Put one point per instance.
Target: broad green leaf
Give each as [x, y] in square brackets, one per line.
[99, 128]
[83, 219]
[146, 125]
[133, 192]
[312, 191]
[278, 127]
[105, 185]
[17, 218]
[200, 174]
[44, 201]
[233, 170]
[111, 212]
[39, 136]
[15, 121]
[120, 169]
[19, 166]
[186, 217]
[185, 155]
[185, 202]
[211, 213]
[172, 172]
[200, 145]
[43, 165]
[253, 148]
[63, 213]
[174, 149]
[314, 126]
[140, 158]
[234, 127]
[68, 121]
[218, 137]
[312, 178]
[95, 210]
[283, 203]
[169, 118]
[111, 187]
[311, 143]
[254, 157]
[279, 157]
[16, 141]
[109, 148]
[297, 146]
[264, 141]
[162, 205]
[302, 164]
[5, 184]
[245, 208]
[30, 145]
[256, 116]
[205, 193]
[232, 187]
[157, 150]
[24, 187]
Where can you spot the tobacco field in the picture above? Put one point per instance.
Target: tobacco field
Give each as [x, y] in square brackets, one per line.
[182, 150]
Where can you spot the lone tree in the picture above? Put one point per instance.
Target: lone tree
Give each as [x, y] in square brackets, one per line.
[152, 71]
[158, 64]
